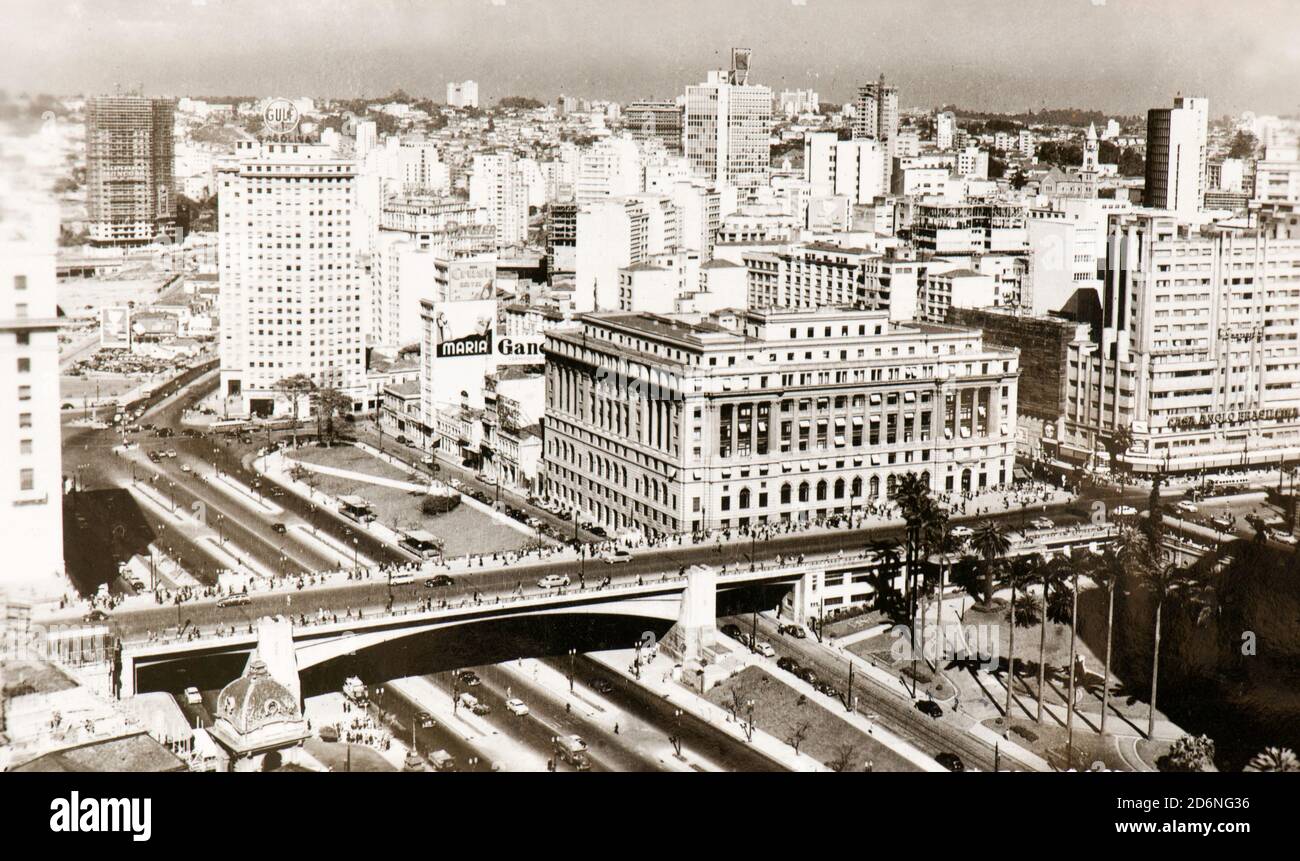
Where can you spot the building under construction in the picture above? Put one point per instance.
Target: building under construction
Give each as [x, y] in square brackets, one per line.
[130, 197]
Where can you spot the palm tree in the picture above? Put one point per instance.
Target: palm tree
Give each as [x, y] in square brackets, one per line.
[943, 547]
[1107, 570]
[913, 498]
[293, 388]
[991, 543]
[1162, 579]
[885, 552]
[1274, 759]
[1051, 573]
[1018, 571]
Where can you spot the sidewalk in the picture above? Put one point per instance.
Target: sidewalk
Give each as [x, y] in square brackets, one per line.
[656, 676]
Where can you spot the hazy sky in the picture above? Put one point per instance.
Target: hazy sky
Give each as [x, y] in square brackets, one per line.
[1121, 56]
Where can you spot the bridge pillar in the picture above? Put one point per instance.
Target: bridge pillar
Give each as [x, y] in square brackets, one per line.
[696, 631]
[276, 649]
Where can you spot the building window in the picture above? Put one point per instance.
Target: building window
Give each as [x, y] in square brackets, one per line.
[26, 479]
[20, 282]
[24, 365]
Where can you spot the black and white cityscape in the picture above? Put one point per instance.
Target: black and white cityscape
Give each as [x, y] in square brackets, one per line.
[763, 386]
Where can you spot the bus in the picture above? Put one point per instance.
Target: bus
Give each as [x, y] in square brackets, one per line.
[356, 508]
[422, 543]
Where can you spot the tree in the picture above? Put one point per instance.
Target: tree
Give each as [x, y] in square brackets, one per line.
[1274, 759]
[1107, 570]
[1243, 145]
[1051, 574]
[991, 543]
[1117, 442]
[798, 734]
[885, 552]
[328, 403]
[1190, 753]
[1162, 579]
[293, 389]
[1020, 570]
[846, 753]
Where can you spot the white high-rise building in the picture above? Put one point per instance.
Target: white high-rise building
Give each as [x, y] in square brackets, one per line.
[497, 184]
[609, 168]
[367, 138]
[293, 300]
[615, 233]
[31, 480]
[1200, 106]
[1175, 162]
[463, 94]
[728, 132]
[854, 168]
[945, 127]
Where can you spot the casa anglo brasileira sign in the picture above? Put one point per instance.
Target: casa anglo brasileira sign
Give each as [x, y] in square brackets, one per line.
[1233, 417]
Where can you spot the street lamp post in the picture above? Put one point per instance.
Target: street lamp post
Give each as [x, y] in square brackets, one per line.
[356, 565]
[676, 738]
[221, 532]
[573, 655]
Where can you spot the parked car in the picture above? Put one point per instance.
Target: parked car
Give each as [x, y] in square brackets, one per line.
[438, 581]
[95, 615]
[192, 696]
[929, 707]
[553, 581]
[516, 707]
[790, 665]
[962, 532]
[1042, 523]
[1124, 511]
[279, 528]
[1284, 537]
[613, 557]
[808, 676]
[240, 600]
[731, 631]
[765, 649]
[950, 761]
[795, 631]
[1186, 507]
[469, 678]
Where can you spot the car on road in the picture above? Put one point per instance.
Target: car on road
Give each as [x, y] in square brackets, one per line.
[469, 678]
[950, 761]
[438, 581]
[185, 467]
[467, 700]
[1284, 537]
[1042, 523]
[486, 479]
[1222, 521]
[731, 631]
[192, 696]
[481, 708]
[171, 452]
[517, 707]
[95, 616]
[442, 761]
[155, 456]
[790, 665]
[795, 631]
[1186, 507]
[598, 531]
[403, 578]
[1124, 511]
[600, 686]
[807, 675]
[279, 528]
[613, 557]
[235, 601]
[765, 649]
[554, 581]
[929, 707]
[425, 720]
[962, 532]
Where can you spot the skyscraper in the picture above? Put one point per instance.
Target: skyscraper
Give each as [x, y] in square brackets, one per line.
[130, 195]
[497, 184]
[876, 118]
[650, 120]
[728, 129]
[463, 94]
[1174, 166]
[30, 441]
[292, 298]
